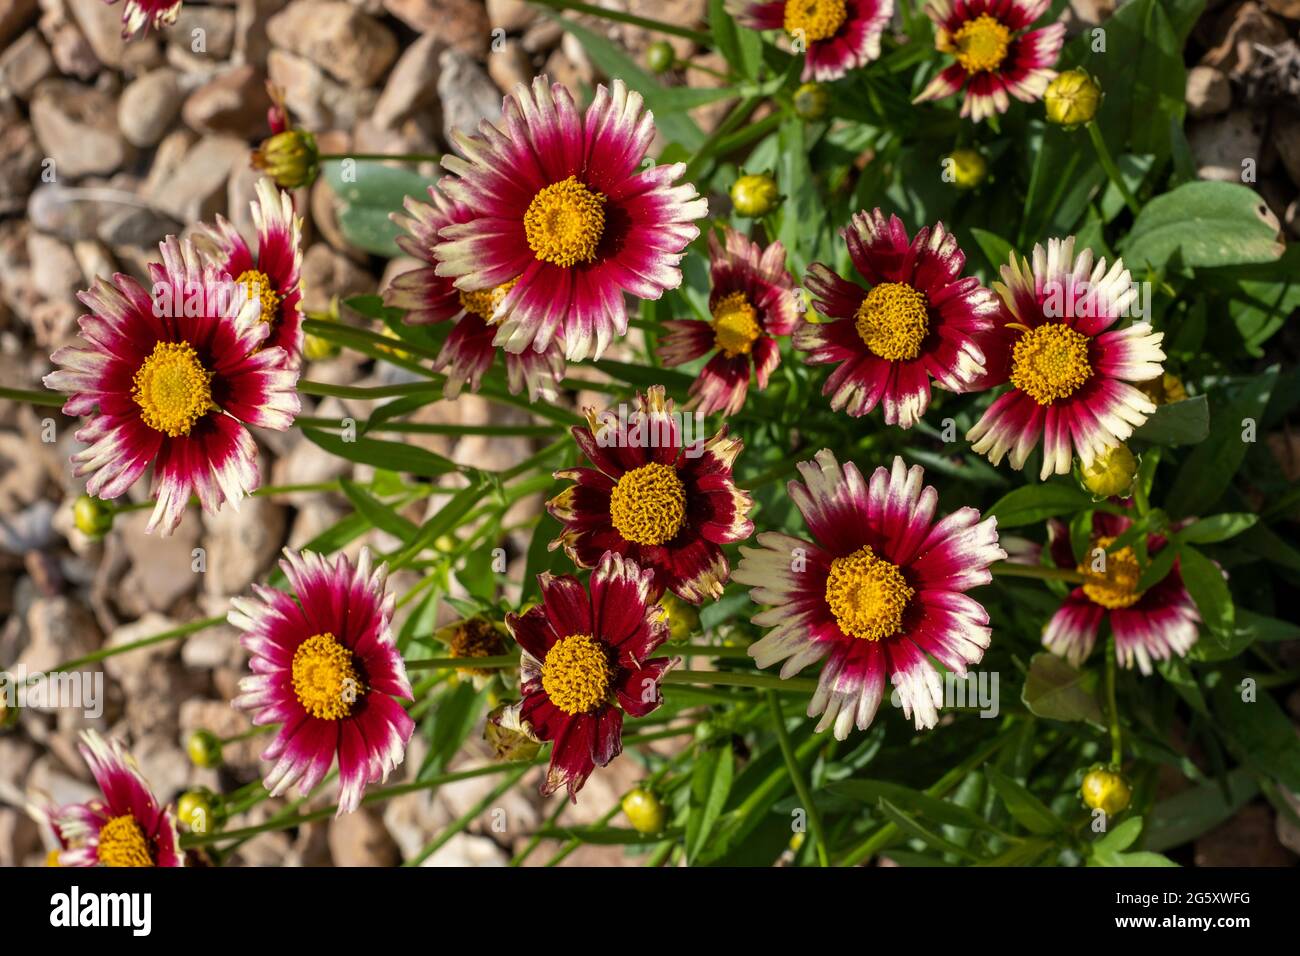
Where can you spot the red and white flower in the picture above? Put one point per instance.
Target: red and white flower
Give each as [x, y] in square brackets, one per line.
[127, 827]
[918, 320]
[1152, 625]
[835, 36]
[667, 503]
[427, 297]
[997, 57]
[173, 381]
[139, 15]
[272, 277]
[752, 301]
[586, 661]
[326, 669]
[1070, 372]
[879, 591]
[563, 208]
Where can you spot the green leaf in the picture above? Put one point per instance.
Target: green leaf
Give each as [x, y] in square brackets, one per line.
[1158, 566]
[1030, 812]
[710, 787]
[1056, 690]
[1185, 816]
[1205, 584]
[1178, 423]
[1260, 732]
[996, 249]
[932, 808]
[1203, 224]
[912, 828]
[367, 198]
[377, 513]
[1217, 528]
[1121, 837]
[1034, 503]
[741, 48]
[453, 719]
[383, 454]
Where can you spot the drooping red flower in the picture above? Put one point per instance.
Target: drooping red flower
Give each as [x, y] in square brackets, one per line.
[752, 301]
[427, 297]
[656, 495]
[878, 591]
[1152, 625]
[586, 661]
[563, 208]
[997, 56]
[918, 320]
[326, 668]
[173, 381]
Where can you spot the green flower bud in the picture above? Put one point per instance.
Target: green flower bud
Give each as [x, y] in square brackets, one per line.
[195, 810]
[1111, 472]
[290, 158]
[968, 167]
[92, 516]
[754, 195]
[660, 56]
[1072, 99]
[683, 619]
[644, 811]
[811, 101]
[1106, 790]
[204, 748]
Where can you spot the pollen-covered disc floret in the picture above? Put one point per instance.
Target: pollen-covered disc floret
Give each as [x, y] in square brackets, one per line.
[564, 222]
[917, 322]
[325, 677]
[576, 674]
[1149, 625]
[651, 496]
[893, 320]
[995, 55]
[585, 662]
[867, 595]
[876, 593]
[259, 286]
[125, 827]
[833, 36]
[1050, 363]
[172, 388]
[648, 504]
[325, 668]
[735, 325]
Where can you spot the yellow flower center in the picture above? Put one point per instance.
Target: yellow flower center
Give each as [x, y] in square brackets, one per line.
[576, 674]
[1050, 362]
[325, 677]
[893, 320]
[122, 843]
[259, 286]
[981, 44]
[1116, 586]
[172, 388]
[484, 302]
[648, 505]
[564, 223]
[867, 595]
[814, 19]
[735, 325]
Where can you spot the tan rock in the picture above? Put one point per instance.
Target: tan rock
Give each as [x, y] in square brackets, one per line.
[360, 839]
[148, 106]
[459, 23]
[25, 63]
[76, 126]
[350, 45]
[1208, 91]
[234, 102]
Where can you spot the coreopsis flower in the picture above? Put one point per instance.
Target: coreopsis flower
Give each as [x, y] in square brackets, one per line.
[127, 827]
[1150, 625]
[174, 381]
[997, 57]
[1070, 377]
[272, 277]
[878, 591]
[918, 320]
[563, 208]
[325, 667]
[656, 496]
[139, 15]
[427, 297]
[835, 36]
[585, 662]
[752, 301]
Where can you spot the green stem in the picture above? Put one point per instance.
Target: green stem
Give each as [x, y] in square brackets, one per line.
[185, 630]
[618, 16]
[466, 818]
[710, 144]
[259, 493]
[706, 650]
[380, 157]
[802, 685]
[1108, 164]
[434, 428]
[1112, 704]
[1009, 569]
[796, 774]
[33, 396]
[325, 389]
